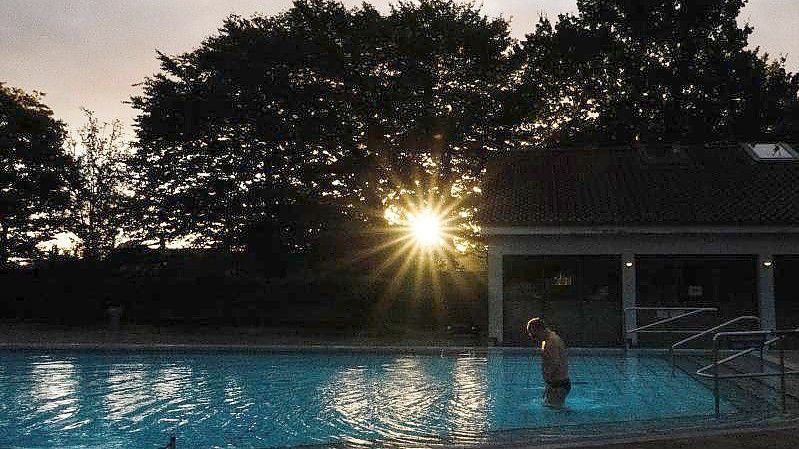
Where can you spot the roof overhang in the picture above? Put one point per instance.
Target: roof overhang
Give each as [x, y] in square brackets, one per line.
[638, 230]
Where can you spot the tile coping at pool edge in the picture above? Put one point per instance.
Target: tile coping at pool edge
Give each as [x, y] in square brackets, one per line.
[322, 347]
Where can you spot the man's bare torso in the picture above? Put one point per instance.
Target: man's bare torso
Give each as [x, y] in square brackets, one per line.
[554, 363]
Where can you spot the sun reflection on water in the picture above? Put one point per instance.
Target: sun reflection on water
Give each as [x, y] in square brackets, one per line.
[126, 391]
[407, 397]
[171, 379]
[350, 400]
[236, 397]
[402, 401]
[54, 384]
[468, 405]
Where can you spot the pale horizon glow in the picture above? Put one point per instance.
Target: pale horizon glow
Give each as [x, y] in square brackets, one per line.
[91, 53]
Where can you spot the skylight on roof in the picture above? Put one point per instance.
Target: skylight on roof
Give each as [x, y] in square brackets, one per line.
[773, 151]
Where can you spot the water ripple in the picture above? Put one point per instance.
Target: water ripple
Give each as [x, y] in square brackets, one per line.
[237, 400]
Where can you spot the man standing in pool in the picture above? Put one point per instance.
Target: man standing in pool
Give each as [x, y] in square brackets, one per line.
[554, 363]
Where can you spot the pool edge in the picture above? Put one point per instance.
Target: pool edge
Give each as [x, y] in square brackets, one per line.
[730, 428]
[321, 347]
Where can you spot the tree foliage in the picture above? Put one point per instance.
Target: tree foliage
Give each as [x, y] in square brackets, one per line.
[347, 108]
[666, 70]
[35, 172]
[286, 129]
[98, 196]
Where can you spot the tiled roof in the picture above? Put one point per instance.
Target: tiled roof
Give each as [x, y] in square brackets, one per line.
[718, 184]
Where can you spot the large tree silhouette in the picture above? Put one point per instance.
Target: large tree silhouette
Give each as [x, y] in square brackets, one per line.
[35, 173]
[347, 108]
[279, 129]
[665, 70]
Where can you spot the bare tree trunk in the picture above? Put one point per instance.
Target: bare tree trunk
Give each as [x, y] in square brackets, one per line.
[90, 244]
[227, 240]
[371, 165]
[4, 245]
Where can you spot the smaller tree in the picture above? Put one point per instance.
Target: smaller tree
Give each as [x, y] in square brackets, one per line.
[98, 194]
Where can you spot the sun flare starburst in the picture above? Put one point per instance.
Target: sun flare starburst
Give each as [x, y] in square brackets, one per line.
[426, 228]
[423, 249]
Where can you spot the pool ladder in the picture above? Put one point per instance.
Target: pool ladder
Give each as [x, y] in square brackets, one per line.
[766, 339]
[711, 330]
[682, 312]
[776, 336]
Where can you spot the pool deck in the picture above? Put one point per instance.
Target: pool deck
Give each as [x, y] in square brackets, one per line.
[783, 437]
[33, 335]
[27, 335]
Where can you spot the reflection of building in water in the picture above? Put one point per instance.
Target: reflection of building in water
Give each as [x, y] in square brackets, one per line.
[467, 410]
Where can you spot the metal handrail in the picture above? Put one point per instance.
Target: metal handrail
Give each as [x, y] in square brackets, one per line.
[709, 331]
[779, 336]
[701, 371]
[743, 352]
[689, 311]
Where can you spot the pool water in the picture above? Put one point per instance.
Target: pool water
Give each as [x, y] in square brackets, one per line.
[88, 399]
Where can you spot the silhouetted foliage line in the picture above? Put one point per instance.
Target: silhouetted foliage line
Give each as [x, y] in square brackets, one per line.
[293, 134]
[318, 116]
[217, 288]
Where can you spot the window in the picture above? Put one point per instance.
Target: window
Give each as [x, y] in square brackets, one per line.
[772, 151]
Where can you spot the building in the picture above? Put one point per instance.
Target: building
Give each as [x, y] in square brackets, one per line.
[578, 235]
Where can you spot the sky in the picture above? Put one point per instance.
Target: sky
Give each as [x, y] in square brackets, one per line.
[91, 53]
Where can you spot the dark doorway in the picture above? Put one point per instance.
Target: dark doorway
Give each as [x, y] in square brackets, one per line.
[578, 296]
[728, 283]
[786, 291]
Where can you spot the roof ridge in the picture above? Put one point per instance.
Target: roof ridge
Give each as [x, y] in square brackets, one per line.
[624, 147]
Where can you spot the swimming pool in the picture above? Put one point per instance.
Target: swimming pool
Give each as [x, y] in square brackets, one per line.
[230, 399]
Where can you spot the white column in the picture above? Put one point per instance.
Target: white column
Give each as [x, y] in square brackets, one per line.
[494, 294]
[765, 291]
[629, 319]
